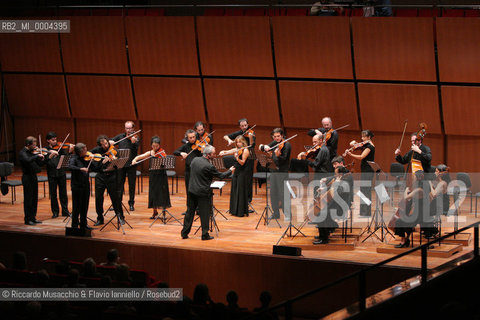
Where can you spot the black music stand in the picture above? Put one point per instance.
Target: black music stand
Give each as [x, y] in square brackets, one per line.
[115, 164]
[163, 164]
[218, 163]
[381, 196]
[213, 223]
[265, 161]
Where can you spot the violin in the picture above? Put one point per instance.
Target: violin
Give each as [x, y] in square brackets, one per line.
[91, 156]
[200, 145]
[311, 152]
[355, 146]
[62, 147]
[111, 152]
[42, 151]
[160, 154]
[250, 131]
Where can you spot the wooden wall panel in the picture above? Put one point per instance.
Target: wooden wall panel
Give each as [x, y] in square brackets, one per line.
[33, 126]
[385, 107]
[95, 44]
[229, 100]
[162, 46]
[458, 43]
[36, 95]
[101, 97]
[169, 99]
[312, 47]
[462, 153]
[89, 129]
[304, 104]
[235, 46]
[394, 49]
[461, 114]
[171, 135]
[30, 52]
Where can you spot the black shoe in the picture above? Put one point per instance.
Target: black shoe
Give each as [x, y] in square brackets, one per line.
[87, 228]
[407, 243]
[185, 237]
[30, 223]
[36, 221]
[155, 214]
[400, 245]
[184, 213]
[317, 237]
[207, 238]
[250, 211]
[320, 241]
[111, 209]
[55, 215]
[65, 214]
[122, 221]
[132, 208]
[99, 222]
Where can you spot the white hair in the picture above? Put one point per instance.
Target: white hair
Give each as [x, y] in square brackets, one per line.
[207, 150]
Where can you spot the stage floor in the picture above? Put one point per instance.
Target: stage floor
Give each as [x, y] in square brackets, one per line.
[236, 234]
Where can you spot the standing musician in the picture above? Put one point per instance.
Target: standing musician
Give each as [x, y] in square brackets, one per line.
[200, 193]
[240, 187]
[334, 202]
[321, 162]
[281, 158]
[106, 180]
[188, 152]
[418, 151]
[332, 143]
[80, 183]
[250, 138]
[30, 160]
[128, 170]
[199, 128]
[158, 194]
[57, 177]
[368, 154]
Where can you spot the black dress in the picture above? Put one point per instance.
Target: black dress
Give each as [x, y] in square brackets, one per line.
[367, 175]
[239, 191]
[158, 194]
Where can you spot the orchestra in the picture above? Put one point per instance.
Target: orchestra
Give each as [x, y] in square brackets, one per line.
[427, 188]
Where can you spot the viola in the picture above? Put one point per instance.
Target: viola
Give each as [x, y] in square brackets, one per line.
[93, 156]
[355, 147]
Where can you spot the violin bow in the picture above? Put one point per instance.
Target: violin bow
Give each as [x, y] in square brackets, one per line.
[283, 141]
[158, 152]
[249, 129]
[126, 137]
[63, 142]
[403, 134]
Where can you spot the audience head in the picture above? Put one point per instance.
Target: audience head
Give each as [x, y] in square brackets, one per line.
[201, 294]
[265, 298]
[19, 261]
[89, 267]
[122, 273]
[112, 257]
[232, 298]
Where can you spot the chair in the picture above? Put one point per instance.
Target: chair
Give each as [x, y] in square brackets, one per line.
[43, 179]
[465, 188]
[5, 171]
[173, 173]
[92, 176]
[138, 173]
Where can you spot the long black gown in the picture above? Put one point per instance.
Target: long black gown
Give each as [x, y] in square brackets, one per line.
[239, 191]
[158, 194]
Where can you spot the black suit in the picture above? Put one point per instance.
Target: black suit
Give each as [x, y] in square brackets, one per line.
[425, 157]
[129, 170]
[200, 194]
[57, 177]
[80, 191]
[30, 167]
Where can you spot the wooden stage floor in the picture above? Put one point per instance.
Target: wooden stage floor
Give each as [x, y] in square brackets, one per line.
[236, 234]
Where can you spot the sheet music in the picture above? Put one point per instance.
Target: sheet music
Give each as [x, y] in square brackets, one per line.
[218, 184]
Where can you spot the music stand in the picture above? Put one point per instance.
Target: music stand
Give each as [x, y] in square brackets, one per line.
[213, 223]
[163, 164]
[219, 165]
[265, 161]
[380, 198]
[115, 164]
[290, 226]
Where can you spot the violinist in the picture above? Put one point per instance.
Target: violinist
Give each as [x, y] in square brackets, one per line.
[202, 134]
[30, 160]
[367, 154]
[281, 158]
[418, 151]
[57, 177]
[417, 198]
[239, 191]
[128, 170]
[185, 151]
[250, 138]
[158, 194]
[80, 185]
[335, 202]
[106, 180]
[321, 162]
[332, 141]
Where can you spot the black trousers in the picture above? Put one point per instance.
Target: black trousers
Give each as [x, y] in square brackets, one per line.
[30, 196]
[131, 173]
[204, 205]
[276, 191]
[107, 181]
[61, 183]
[187, 180]
[80, 201]
[249, 168]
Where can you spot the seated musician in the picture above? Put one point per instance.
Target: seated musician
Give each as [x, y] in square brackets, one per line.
[439, 200]
[334, 203]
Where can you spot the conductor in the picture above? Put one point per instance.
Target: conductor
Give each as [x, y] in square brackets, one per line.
[199, 192]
